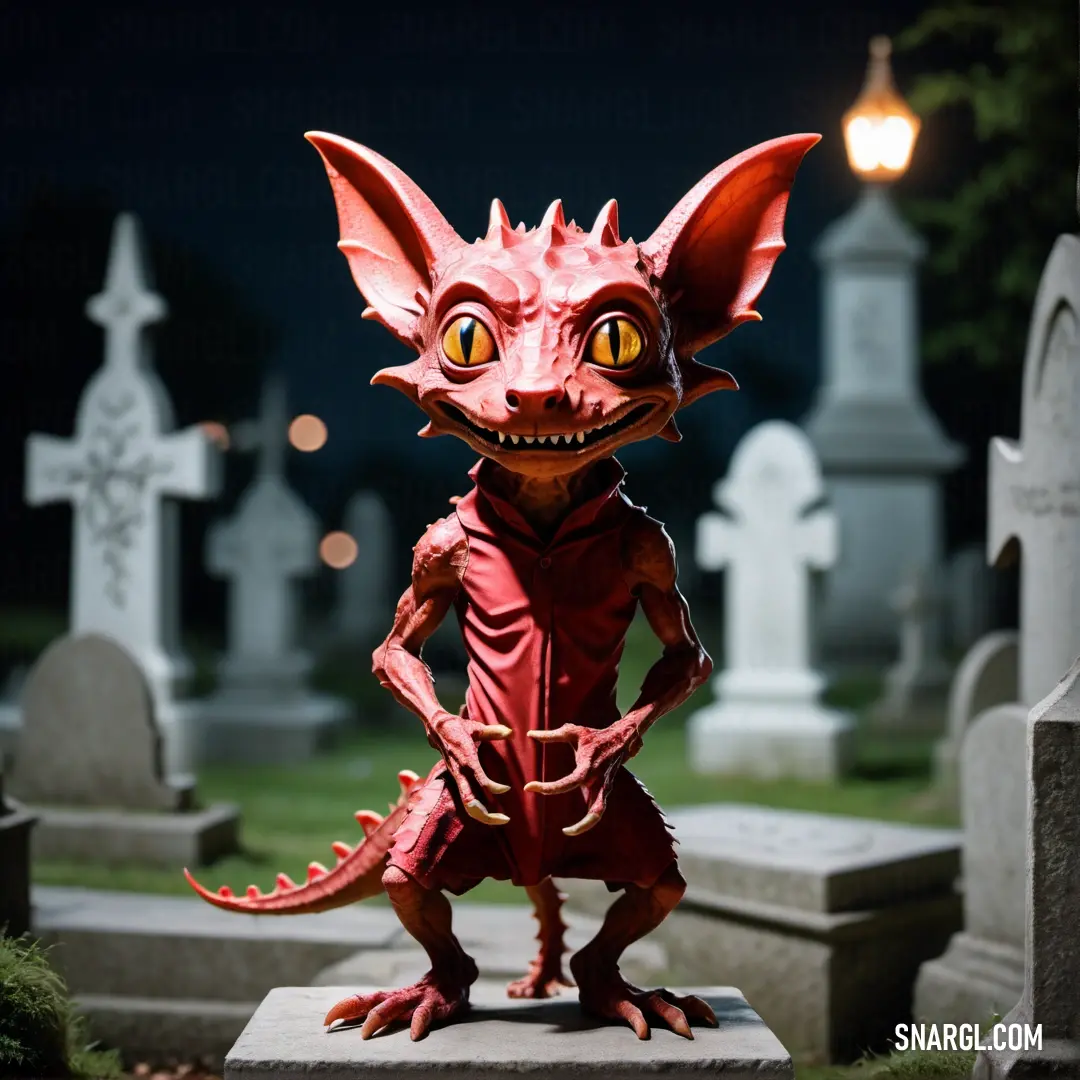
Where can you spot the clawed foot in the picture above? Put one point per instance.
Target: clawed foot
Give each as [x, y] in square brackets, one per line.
[541, 982]
[611, 997]
[420, 1005]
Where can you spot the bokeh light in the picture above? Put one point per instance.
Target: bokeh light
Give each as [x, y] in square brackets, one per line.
[217, 432]
[338, 550]
[307, 433]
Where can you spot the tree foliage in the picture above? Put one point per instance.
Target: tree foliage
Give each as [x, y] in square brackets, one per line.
[998, 94]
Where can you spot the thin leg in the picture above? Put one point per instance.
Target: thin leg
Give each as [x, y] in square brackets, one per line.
[546, 974]
[604, 992]
[443, 991]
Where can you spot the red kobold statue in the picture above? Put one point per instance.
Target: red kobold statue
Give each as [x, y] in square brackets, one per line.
[545, 350]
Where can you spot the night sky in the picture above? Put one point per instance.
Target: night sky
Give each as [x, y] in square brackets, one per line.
[194, 118]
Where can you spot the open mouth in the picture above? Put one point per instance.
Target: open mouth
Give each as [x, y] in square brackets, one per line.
[566, 442]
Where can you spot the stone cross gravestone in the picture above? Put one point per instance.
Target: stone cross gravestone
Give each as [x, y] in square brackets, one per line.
[90, 765]
[916, 685]
[121, 471]
[772, 528]
[1034, 499]
[365, 604]
[1050, 999]
[263, 709]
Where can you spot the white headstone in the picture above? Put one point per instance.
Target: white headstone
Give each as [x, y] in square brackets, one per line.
[365, 605]
[771, 531]
[263, 709]
[121, 472]
[1035, 499]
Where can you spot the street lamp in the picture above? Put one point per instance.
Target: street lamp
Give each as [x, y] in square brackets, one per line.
[880, 129]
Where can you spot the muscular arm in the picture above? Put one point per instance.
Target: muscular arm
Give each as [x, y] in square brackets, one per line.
[439, 561]
[650, 567]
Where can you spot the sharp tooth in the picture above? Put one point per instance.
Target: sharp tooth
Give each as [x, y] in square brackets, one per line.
[581, 436]
[514, 439]
[529, 438]
[568, 438]
[502, 437]
[541, 438]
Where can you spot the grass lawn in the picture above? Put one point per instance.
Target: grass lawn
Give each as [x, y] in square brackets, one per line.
[291, 814]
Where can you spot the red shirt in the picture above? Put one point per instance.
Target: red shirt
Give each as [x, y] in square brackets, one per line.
[544, 625]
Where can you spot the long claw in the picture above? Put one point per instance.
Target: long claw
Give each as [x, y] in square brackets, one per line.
[476, 809]
[584, 825]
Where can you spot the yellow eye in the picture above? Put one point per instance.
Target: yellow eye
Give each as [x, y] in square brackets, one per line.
[616, 343]
[467, 342]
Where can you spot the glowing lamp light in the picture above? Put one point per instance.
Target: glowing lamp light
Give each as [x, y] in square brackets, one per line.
[880, 129]
[217, 433]
[338, 550]
[307, 433]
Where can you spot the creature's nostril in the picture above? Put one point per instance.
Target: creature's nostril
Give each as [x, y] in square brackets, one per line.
[550, 401]
[512, 399]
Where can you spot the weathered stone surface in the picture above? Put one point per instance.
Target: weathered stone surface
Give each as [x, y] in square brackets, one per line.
[1052, 955]
[822, 920]
[769, 533]
[89, 736]
[500, 1038]
[365, 595]
[987, 676]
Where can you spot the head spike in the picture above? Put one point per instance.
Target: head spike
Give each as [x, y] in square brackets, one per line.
[285, 882]
[341, 849]
[700, 379]
[253, 892]
[497, 220]
[554, 216]
[605, 231]
[225, 891]
[315, 871]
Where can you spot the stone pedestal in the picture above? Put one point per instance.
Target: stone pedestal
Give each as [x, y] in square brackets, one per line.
[15, 826]
[762, 732]
[823, 920]
[881, 449]
[500, 1038]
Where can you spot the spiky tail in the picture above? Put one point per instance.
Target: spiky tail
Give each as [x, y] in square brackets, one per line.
[357, 874]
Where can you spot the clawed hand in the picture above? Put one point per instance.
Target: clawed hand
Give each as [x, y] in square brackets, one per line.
[598, 753]
[457, 739]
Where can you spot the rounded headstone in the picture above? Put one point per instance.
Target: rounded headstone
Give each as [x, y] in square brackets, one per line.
[89, 735]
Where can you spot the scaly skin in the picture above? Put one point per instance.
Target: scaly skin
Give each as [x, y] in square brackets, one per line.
[545, 351]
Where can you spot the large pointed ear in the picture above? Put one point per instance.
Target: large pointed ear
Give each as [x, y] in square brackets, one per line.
[391, 233]
[715, 250]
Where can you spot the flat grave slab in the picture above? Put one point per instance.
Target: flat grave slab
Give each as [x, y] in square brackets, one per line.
[500, 1039]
